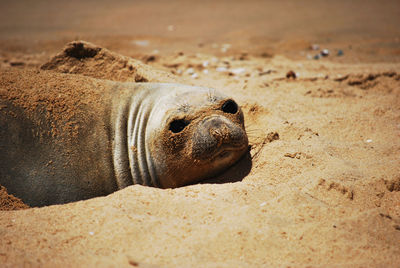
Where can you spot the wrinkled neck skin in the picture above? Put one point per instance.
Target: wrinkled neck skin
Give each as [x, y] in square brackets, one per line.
[133, 162]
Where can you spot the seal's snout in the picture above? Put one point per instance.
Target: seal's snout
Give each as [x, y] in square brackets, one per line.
[216, 135]
[223, 130]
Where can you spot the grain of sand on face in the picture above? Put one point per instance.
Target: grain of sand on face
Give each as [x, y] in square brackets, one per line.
[324, 188]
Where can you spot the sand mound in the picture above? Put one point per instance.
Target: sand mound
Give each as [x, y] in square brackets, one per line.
[80, 57]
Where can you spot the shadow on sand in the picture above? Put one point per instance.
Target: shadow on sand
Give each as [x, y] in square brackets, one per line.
[235, 173]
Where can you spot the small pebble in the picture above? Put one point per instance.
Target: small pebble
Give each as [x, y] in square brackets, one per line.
[225, 47]
[214, 59]
[291, 74]
[141, 43]
[238, 70]
[149, 58]
[190, 71]
[369, 140]
[325, 52]
[221, 69]
[16, 63]
[263, 204]
[317, 57]
[266, 72]
[205, 71]
[91, 233]
[205, 63]
[195, 75]
[266, 55]
[340, 53]
[315, 47]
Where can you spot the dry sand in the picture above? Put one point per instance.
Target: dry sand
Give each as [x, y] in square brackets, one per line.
[324, 188]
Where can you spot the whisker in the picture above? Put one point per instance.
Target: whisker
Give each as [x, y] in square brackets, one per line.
[211, 95]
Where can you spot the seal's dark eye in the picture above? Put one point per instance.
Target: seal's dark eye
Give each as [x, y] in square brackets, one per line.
[177, 126]
[230, 107]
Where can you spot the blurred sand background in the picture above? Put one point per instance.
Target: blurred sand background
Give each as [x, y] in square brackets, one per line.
[324, 188]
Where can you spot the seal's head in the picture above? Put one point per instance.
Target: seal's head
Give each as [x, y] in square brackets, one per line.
[200, 134]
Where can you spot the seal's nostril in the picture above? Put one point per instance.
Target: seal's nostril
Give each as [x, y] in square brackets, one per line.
[230, 107]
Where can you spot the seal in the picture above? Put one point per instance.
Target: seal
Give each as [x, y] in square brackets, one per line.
[65, 138]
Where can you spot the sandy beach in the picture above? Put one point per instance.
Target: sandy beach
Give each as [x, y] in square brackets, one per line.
[319, 85]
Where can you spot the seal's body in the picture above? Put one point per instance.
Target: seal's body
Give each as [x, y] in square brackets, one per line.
[65, 138]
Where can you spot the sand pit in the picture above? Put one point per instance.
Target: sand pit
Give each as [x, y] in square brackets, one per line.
[324, 184]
